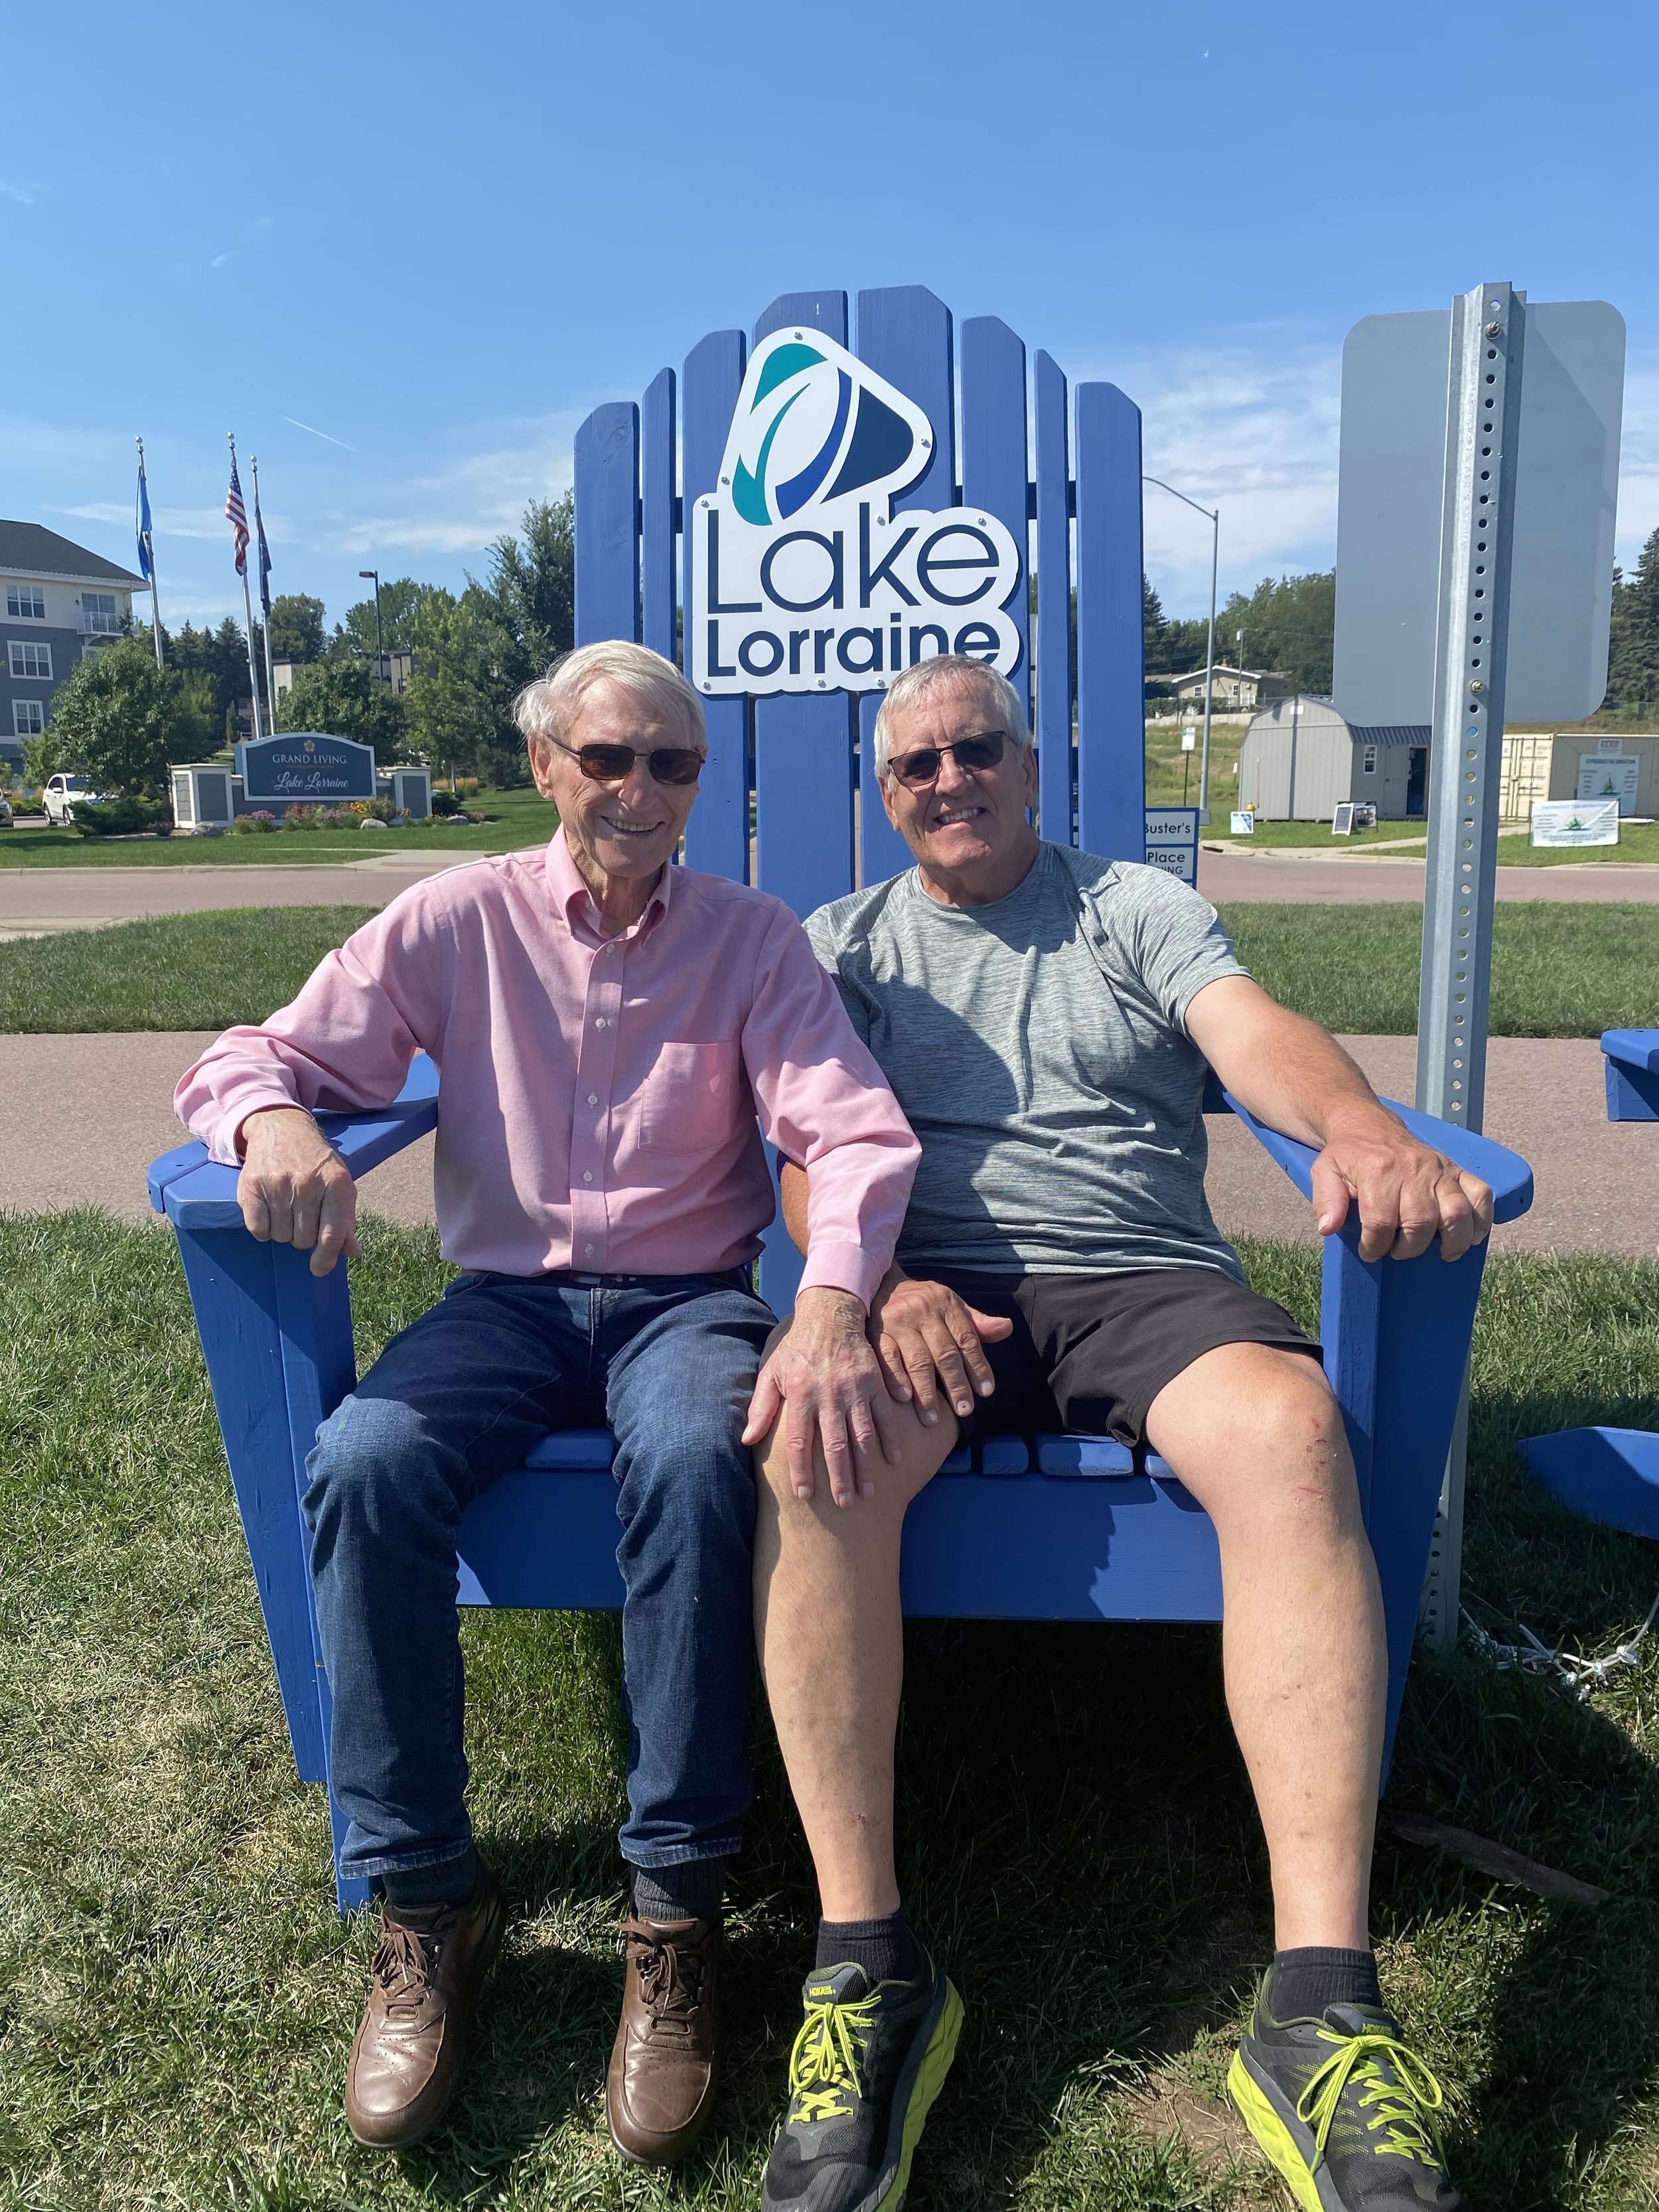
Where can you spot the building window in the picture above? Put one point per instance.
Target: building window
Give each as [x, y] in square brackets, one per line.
[27, 718]
[31, 661]
[1368, 760]
[98, 613]
[26, 602]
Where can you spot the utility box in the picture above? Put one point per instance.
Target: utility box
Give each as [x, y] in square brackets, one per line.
[411, 791]
[204, 797]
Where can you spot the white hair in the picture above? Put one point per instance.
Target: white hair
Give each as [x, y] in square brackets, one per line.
[963, 672]
[548, 706]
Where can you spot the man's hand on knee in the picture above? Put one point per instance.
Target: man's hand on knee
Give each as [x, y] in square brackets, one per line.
[295, 1188]
[929, 1339]
[825, 1378]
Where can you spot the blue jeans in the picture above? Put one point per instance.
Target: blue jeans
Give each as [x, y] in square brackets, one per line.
[668, 1361]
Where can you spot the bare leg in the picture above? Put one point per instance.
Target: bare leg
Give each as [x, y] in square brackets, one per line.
[1256, 1436]
[831, 1637]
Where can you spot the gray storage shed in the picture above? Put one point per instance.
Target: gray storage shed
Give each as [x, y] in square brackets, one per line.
[1300, 759]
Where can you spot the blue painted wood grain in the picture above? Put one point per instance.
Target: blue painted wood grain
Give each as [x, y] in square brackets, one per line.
[656, 536]
[1056, 761]
[904, 334]
[994, 453]
[1111, 688]
[607, 470]
[717, 833]
[1632, 1074]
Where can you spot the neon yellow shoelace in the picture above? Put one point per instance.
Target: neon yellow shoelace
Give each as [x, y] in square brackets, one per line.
[1403, 2105]
[823, 2065]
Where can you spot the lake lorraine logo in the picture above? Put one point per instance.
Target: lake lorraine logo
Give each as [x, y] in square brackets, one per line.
[801, 524]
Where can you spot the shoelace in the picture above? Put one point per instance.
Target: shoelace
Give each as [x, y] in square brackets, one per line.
[404, 1963]
[828, 2053]
[671, 1986]
[1403, 2104]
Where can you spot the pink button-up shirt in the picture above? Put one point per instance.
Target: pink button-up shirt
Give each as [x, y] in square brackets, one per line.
[599, 1094]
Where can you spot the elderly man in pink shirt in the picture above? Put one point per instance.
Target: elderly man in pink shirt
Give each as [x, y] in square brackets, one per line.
[608, 1027]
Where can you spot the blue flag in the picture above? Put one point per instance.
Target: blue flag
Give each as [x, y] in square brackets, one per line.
[142, 524]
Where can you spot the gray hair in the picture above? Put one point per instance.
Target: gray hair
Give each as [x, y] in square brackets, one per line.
[548, 706]
[962, 671]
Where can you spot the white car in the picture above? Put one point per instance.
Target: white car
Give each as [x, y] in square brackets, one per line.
[60, 793]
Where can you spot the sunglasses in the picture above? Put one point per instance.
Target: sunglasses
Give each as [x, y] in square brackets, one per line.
[916, 770]
[611, 763]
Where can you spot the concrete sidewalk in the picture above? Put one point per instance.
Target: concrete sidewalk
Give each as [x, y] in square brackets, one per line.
[106, 1102]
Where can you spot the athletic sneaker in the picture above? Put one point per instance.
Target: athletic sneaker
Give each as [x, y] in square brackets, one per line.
[1344, 2110]
[866, 2068]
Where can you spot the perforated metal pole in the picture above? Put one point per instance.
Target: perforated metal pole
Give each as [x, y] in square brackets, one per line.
[1488, 329]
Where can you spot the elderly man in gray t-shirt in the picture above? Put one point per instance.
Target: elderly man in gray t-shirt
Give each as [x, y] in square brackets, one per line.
[1045, 1019]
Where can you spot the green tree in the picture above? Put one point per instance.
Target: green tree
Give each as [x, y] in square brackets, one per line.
[220, 656]
[399, 600]
[1289, 625]
[529, 594]
[458, 706]
[43, 756]
[1633, 637]
[344, 698]
[296, 627]
[123, 722]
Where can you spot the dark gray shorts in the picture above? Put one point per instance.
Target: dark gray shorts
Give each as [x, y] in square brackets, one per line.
[1091, 1353]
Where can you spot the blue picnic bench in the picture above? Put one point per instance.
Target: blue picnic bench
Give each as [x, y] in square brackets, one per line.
[1037, 1527]
[1632, 1074]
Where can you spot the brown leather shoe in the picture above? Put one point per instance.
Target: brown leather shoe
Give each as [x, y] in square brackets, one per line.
[412, 2038]
[666, 2063]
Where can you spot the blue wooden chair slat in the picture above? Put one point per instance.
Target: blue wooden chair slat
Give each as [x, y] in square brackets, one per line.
[1056, 762]
[1047, 1527]
[1632, 1074]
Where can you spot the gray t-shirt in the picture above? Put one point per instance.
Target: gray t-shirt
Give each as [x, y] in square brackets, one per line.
[1039, 1046]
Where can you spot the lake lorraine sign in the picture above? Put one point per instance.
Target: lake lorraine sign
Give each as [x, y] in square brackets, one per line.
[303, 767]
[802, 580]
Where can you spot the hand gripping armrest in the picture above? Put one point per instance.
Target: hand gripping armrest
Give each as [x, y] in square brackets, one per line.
[197, 1193]
[1506, 1171]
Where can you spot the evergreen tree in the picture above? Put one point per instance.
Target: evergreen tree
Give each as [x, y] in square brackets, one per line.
[1633, 638]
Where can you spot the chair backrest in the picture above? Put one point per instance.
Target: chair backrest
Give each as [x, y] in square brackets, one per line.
[789, 799]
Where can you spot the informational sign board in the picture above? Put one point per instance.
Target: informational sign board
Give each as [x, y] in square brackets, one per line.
[1189, 740]
[1609, 775]
[305, 766]
[1569, 822]
[1390, 493]
[1172, 840]
[804, 578]
[1342, 819]
[1243, 823]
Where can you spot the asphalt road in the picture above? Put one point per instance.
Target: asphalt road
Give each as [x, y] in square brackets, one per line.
[106, 1102]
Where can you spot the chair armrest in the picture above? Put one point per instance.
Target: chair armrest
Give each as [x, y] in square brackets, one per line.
[1506, 1171]
[1638, 1048]
[197, 1193]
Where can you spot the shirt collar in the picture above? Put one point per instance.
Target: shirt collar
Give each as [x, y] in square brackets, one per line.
[571, 896]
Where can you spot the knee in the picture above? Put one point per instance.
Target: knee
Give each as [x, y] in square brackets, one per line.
[372, 1463]
[1301, 1424]
[921, 1452]
[689, 1477]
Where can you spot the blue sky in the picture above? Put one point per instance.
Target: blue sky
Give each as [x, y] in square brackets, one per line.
[402, 251]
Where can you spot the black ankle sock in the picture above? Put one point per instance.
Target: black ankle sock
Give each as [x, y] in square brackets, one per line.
[431, 1889]
[694, 1890]
[1305, 1982]
[885, 1949]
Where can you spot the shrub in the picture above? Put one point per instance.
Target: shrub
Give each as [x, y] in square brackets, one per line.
[303, 817]
[254, 825]
[122, 818]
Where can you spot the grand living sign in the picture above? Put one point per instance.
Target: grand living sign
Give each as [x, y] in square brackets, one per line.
[803, 578]
[301, 766]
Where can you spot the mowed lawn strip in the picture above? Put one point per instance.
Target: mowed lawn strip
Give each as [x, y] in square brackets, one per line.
[1557, 970]
[177, 1997]
[180, 971]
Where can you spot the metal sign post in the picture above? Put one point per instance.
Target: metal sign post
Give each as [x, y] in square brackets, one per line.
[1488, 338]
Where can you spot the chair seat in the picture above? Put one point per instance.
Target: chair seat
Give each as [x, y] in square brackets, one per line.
[994, 1454]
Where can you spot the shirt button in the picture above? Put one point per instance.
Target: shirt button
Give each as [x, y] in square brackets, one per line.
[599, 1024]
[588, 1175]
[593, 1097]
[587, 1251]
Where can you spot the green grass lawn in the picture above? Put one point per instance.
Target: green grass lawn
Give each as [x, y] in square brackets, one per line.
[177, 1995]
[1314, 834]
[1557, 970]
[1170, 771]
[521, 817]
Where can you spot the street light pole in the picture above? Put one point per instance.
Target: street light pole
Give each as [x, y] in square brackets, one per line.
[380, 650]
[1213, 517]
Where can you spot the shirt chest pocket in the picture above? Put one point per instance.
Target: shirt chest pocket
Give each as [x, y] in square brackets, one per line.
[691, 1097]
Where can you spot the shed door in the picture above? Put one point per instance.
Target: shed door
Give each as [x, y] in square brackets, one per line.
[1416, 781]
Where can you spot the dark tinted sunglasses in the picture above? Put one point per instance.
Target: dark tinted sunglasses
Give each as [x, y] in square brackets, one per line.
[916, 770]
[611, 763]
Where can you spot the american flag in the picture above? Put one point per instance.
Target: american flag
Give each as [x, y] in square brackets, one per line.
[236, 516]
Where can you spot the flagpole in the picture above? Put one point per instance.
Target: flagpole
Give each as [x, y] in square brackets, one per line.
[149, 553]
[264, 599]
[247, 608]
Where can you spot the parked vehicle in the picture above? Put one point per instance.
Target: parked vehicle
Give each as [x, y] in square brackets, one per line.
[62, 791]
[5, 812]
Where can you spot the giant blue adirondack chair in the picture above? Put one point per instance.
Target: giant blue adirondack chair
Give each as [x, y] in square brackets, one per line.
[1050, 1527]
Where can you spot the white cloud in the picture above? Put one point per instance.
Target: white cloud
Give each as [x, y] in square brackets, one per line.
[25, 195]
[461, 507]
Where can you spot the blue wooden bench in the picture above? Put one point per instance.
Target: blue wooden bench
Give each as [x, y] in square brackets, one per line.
[1042, 1528]
[1632, 1073]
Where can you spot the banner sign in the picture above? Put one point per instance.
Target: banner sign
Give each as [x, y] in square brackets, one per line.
[300, 766]
[803, 578]
[1569, 822]
[1603, 775]
[1172, 840]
